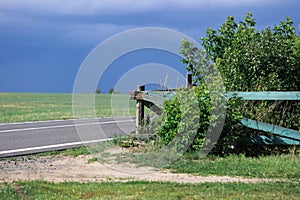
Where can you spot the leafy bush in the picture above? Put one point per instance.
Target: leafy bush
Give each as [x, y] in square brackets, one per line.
[186, 118]
[190, 122]
[247, 60]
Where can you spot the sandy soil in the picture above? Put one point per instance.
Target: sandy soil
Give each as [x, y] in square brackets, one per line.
[67, 168]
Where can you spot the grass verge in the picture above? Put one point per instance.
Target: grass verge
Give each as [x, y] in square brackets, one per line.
[68, 152]
[273, 166]
[147, 190]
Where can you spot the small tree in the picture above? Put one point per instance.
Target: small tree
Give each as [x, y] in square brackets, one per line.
[111, 91]
[98, 91]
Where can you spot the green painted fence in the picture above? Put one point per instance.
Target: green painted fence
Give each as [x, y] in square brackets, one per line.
[265, 95]
[281, 135]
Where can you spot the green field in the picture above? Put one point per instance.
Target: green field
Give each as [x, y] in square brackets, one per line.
[20, 107]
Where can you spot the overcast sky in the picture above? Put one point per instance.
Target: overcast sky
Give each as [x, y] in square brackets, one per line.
[44, 42]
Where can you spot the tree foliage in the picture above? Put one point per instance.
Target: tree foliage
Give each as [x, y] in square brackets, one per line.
[111, 91]
[253, 60]
[98, 91]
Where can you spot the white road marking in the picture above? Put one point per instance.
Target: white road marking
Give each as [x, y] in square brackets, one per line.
[64, 126]
[59, 120]
[36, 122]
[52, 146]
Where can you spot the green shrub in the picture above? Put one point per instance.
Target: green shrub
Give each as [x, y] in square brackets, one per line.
[246, 60]
[186, 118]
[190, 116]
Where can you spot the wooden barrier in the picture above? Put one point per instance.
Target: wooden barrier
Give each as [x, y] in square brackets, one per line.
[155, 100]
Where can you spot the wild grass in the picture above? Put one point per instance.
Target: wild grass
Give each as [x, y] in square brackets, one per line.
[74, 152]
[20, 107]
[272, 166]
[147, 190]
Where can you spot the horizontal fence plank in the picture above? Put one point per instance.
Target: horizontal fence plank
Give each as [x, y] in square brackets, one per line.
[276, 130]
[265, 95]
[269, 140]
[157, 98]
[244, 95]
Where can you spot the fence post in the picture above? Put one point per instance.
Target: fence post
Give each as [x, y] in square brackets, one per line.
[139, 110]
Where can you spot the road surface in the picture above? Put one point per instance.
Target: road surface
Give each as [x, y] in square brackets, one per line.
[34, 137]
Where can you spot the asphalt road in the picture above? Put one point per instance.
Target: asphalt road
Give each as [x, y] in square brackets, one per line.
[34, 137]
